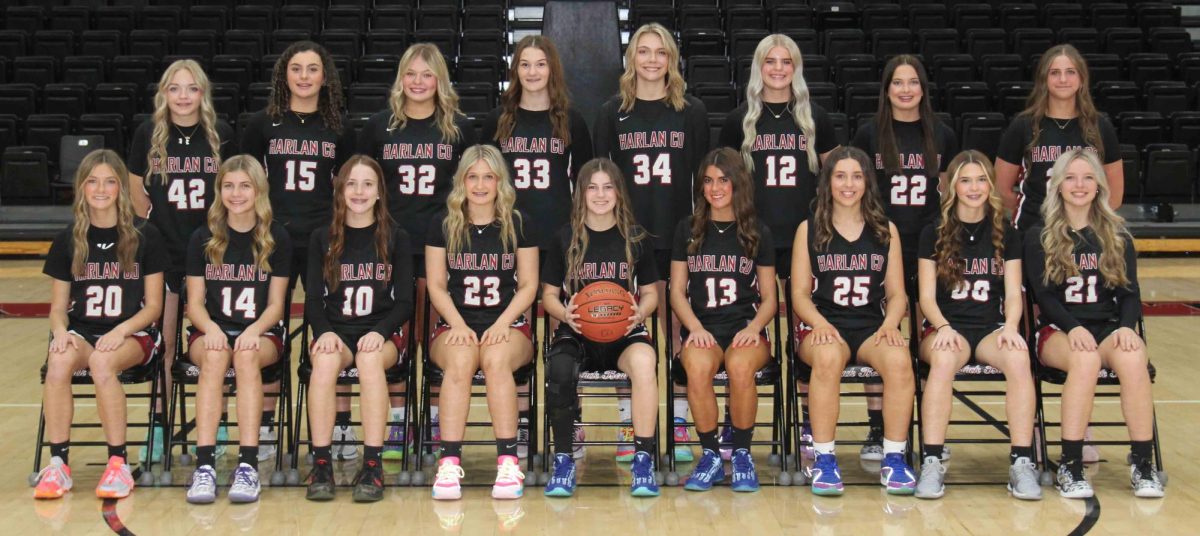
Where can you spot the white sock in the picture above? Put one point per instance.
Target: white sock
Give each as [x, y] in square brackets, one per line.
[433, 413]
[893, 447]
[625, 409]
[823, 448]
[681, 408]
[397, 415]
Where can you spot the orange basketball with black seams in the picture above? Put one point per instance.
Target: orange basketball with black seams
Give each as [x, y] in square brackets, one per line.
[604, 309]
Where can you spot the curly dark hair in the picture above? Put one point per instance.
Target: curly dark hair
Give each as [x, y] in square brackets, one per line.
[332, 100]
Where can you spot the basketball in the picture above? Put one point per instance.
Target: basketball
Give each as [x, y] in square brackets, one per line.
[604, 311]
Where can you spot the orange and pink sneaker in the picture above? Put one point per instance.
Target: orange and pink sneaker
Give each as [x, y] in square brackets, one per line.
[446, 485]
[53, 481]
[117, 481]
[510, 481]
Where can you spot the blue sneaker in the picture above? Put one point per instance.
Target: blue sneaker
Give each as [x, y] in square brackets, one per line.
[682, 453]
[562, 480]
[708, 471]
[896, 475]
[726, 440]
[155, 432]
[744, 476]
[643, 484]
[826, 478]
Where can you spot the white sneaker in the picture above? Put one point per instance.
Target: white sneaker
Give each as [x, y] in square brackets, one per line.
[1072, 483]
[510, 481]
[347, 451]
[1145, 481]
[203, 489]
[578, 450]
[447, 484]
[522, 438]
[267, 436]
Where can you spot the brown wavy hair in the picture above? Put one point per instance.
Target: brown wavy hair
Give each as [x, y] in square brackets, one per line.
[626, 224]
[1038, 102]
[947, 250]
[128, 236]
[337, 226]
[556, 86]
[331, 102]
[218, 222]
[870, 205]
[730, 163]
[883, 119]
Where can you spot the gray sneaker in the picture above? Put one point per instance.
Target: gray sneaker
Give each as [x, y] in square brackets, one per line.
[203, 489]
[1023, 480]
[932, 483]
[245, 488]
[873, 449]
[1145, 482]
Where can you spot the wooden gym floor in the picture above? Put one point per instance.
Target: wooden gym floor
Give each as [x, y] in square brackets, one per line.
[975, 503]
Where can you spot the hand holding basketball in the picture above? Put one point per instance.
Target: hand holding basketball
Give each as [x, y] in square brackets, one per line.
[603, 309]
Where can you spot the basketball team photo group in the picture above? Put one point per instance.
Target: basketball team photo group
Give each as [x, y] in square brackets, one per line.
[543, 273]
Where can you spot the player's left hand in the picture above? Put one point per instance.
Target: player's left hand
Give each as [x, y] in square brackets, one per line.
[889, 335]
[248, 340]
[371, 342]
[746, 338]
[495, 334]
[111, 340]
[1009, 338]
[1126, 339]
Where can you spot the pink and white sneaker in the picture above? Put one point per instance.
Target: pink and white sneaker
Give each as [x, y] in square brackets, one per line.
[446, 486]
[510, 481]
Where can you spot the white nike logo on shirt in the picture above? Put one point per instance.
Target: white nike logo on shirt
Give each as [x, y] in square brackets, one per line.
[274, 124]
[624, 118]
[105, 246]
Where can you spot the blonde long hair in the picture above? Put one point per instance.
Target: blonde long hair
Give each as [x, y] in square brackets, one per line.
[947, 250]
[128, 236]
[218, 224]
[676, 85]
[454, 227]
[626, 224]
[1109, 227]
[801, 102]
[446, 101]
[160, 136]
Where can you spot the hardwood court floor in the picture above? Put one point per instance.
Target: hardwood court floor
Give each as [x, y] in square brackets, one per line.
[975, 503]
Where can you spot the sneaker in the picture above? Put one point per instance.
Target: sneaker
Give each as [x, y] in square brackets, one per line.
[267, 437]
[932, 484]
[510, 481]
[53, 481]
[222, 437]
[826, 478]
[708, 471]
[682, 453]
[435, 434]
[745, 478]
[347, 449]
[117, 481]
[320, 481]
[625, 450]
[1144, 480]
[896, 475]
[522, 438]
[642, 470]
[1023, 480]
[368, 483]
[156, 434]
[578, 451]
[806, 442]
[726, 440]
[203, 489]
[397, 444]
[872, 451]
[446, 486]
[945, 453]
[1071, 482]
[562, 479]
[245, 487]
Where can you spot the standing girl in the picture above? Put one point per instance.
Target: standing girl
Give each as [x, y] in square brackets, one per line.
[107, 293]
[237, 273]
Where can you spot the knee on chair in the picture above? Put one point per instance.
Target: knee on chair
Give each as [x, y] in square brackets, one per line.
[562, 376]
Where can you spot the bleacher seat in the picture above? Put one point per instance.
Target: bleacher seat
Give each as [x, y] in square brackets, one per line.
[194, 42]
[1015, 16]
[56, 43]
[214, 18]
[377, 69]
[122, 19]
[1141, 129]
[1185, 128]
[712, 70]
[1170, 172]
[38, 70]
[298, 17]
[1030, 43]
[1109, 15]
[75, 19]
[70, 99]
[18, 99]
[880, 16]
[947, 68]
[352, 18]
[110, 126]
[742, 42]
[1057, 15]
[720, 99]
[926, 15]
[391, 18]
[1104, 67]
[483, 43]
[86, 70]
[980, 42]
[1085, 40]
[843, 41]
[1114, 97]
[697, 17]
[1122, 41]
[115, 98]
[981, 131]
[935, 42]
[888, 42]
[106, 43]
[962, 98]
[256, 18]
[970, 16]
[154, 43]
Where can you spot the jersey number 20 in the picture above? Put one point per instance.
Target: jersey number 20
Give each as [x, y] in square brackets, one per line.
[103, 302]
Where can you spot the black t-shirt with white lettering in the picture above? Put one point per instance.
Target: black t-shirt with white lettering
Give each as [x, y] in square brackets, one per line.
[482, 278]
[978, 302]
[373, 294]
[179, 205]
[784, 187]
[722, 279]
[105, 295]
[1037, 163]
[604, 260]
[543, 167]
[1086, 297]
[848, 278]
[236, 292]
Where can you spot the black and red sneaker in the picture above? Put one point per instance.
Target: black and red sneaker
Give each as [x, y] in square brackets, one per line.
[368, 483]
[320, 481]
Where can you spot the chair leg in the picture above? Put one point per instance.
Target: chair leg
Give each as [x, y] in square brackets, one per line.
[41, 440]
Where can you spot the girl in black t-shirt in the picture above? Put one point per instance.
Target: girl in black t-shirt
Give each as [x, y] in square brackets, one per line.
[173, 160]
[1060, 116]
[603, 243]
[482, 278]
[107, 292]
[970, 294]
[848, 290]
[1083, 270]
[237, 275]
[723, 291]
[359, 295]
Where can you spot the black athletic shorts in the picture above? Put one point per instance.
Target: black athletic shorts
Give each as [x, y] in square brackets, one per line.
[149, 339]
[855, 338]
[723, 333]
[275, 335]
[1100, 330]
[973, 335]
[597, 356]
